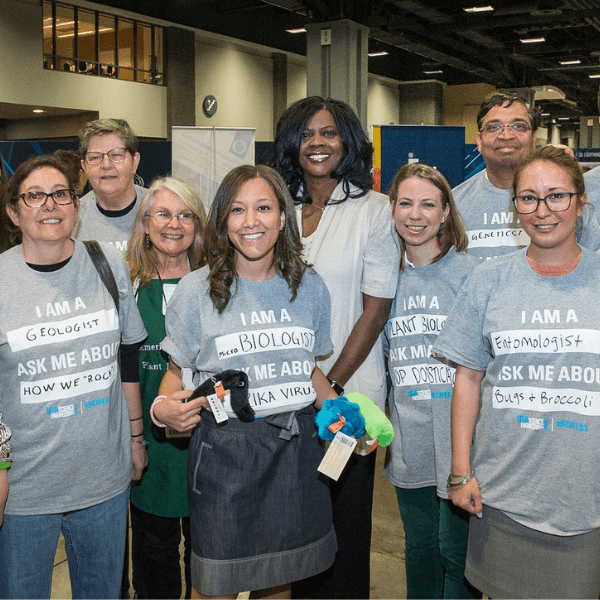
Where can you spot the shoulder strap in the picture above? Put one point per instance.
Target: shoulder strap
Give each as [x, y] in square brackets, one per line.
[103, 268]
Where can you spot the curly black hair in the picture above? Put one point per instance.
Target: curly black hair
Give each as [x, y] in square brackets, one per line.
[355, 166]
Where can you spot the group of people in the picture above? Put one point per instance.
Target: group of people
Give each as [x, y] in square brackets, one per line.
[303, 278]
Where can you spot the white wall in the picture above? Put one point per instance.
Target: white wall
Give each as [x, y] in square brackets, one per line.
[241, 82]
[23, 80]
[383, 102]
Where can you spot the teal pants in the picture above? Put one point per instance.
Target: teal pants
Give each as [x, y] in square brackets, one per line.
[435, 533]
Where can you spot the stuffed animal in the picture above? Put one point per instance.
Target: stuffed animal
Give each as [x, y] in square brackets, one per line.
[237, 383]
[338, 414]
[358, 414]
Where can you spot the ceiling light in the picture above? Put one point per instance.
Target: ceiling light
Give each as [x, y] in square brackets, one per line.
[299, 30]
[382, 53]
[545, 114]
[594, 76]
[433, 72]
[38, 110]
[570, 62]
[478, 9]
[563, 118]
[533, 40]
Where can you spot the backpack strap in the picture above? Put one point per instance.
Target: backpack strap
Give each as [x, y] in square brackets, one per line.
[103, 268]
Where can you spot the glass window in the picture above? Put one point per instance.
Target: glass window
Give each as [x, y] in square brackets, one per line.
[125, 56]
[86, 41]
[47, 28]
[65, 31]
[106, 45]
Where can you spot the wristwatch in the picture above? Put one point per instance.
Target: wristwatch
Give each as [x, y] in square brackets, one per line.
[337, 388]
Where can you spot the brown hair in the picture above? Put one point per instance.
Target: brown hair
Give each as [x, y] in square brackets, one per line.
[9, 192]
[220, 252]
[453, 232]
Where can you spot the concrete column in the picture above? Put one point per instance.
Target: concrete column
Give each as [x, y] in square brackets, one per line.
[338, 63]
[421, 103]
[181, 77]
[279, 86]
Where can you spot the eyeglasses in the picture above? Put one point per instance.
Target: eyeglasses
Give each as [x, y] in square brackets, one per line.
[494, 128]
[37, 199]
[164, 218]
[556, 202]
[115, 155]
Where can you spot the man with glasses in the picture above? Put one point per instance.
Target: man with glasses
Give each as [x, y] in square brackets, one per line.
[506, 133]
[110, 157]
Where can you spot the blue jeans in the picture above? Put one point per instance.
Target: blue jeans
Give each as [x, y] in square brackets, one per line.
[94, 543]
[435, 536]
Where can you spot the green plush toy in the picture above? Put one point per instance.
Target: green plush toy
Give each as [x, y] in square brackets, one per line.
[378, 426]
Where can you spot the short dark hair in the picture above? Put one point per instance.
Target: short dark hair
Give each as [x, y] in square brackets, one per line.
[355, 166]
[9, 192]
[10, 189]
[220, 253]
[500, 99]
[119, 127]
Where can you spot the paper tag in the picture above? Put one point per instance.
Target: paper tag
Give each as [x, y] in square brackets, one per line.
[217, 408]
[173, 433]
[219, 389]
[373, 443]
[335, 427]
[337, 455]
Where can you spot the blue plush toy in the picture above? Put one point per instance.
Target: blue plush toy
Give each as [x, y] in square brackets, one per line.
[340, 409]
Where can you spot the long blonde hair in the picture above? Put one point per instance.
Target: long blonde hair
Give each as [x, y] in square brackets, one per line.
[141, 256]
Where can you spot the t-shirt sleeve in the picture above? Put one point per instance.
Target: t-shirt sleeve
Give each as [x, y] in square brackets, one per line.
[461, 339]
[182, 324]
[381, 260]
[589, 235]
[132, 326]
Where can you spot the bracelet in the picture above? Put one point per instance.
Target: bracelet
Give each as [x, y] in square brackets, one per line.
[132, 420]
[462, 479]
[137, 435]
[157, 400]
[142, 442]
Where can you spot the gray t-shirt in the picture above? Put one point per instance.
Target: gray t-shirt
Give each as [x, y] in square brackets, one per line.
[592, 186]
[419, 455]
[538, 341]
[60, 386]
[94, 225]
[274, 340]
[492, 224]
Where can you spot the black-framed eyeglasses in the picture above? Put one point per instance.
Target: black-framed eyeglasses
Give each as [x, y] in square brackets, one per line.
[163, 217]
[555, 202]
[115, 155]
[37, 199]
[494, 128]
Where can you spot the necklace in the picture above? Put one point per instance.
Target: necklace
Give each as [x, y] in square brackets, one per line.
[313, 205]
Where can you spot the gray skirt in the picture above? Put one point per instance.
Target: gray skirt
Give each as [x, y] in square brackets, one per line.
[260, 512]
[508, 560]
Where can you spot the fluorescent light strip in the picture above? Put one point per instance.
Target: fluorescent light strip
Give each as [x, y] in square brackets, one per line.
[475, 9]
[299, 30]
[533, 40]
[432, 72]
[382, 53]
[594, 76]
[570, 62]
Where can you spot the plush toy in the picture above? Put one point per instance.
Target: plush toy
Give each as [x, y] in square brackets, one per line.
[237, 384]
[378, 426]
[356, 413]
[338, 414]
